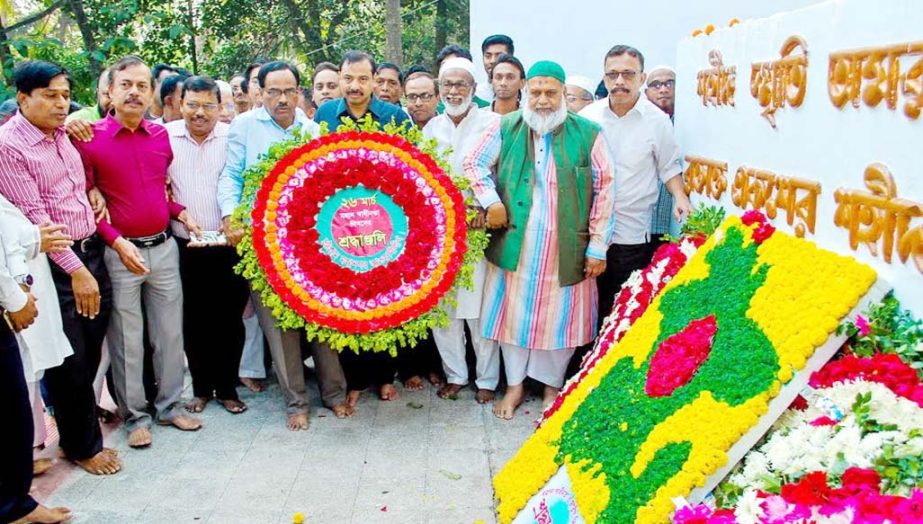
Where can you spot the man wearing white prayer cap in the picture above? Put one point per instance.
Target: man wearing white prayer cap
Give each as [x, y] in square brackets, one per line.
[579, 92]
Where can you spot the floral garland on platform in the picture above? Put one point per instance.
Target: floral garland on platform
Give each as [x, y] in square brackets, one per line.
[658, 411]
[357, 236]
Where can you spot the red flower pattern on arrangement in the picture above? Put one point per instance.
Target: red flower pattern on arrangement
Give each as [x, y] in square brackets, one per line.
[343, 299]
[886, 369]
[680, 356]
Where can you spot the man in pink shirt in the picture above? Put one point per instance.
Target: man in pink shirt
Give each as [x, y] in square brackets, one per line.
[127, 161]
[41, 174]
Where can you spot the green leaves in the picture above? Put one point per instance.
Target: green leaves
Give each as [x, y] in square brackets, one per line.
[891, 329]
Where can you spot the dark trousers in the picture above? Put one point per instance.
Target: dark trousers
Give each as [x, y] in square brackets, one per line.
[16, 436]
[70, 385]
[213, 304]
[367, 368]
[419, 361]
[621, 261]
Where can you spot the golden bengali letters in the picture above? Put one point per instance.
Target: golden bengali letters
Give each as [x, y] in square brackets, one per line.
[771, 193]
[878, 215]
[873, 74]
[781, 82]
[716, 85]
[705, 176]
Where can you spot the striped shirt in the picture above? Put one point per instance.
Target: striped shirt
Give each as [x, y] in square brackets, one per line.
[528, 307]
[44, 178]
[194, 174]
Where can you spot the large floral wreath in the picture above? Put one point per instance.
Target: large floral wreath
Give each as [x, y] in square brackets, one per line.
[357, 236]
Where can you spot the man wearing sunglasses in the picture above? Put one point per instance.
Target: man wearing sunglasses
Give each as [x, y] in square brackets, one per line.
[640, 139]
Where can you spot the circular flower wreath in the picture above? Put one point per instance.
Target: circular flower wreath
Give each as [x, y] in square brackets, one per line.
[357, 236]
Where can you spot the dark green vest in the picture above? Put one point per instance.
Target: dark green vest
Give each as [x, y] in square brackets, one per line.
[570, 144]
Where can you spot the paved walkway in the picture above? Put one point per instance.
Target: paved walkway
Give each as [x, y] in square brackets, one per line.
[419, 459]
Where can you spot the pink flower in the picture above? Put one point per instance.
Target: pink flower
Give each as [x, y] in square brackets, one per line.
[863, 325]
[823, 421]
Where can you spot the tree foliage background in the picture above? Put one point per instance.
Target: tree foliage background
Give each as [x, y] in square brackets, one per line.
[216, 37]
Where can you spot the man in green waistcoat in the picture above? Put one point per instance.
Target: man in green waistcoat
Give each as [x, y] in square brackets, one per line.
[545, 177]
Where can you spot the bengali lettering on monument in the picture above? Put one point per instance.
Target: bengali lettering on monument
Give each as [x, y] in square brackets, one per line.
[782, 82]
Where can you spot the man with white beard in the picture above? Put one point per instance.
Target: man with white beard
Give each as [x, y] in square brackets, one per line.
[459, 129]
[549, 206]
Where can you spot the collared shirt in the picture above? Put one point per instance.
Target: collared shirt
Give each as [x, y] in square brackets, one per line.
[130, 169]
[460, 138]
[194, 174]
[333, 110]
[89, 114]
[15, 241]
[251, 135]
[44, 178]
[642, 145]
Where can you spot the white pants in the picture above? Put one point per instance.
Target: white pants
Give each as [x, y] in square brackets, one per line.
[547, 366]
[38, 411]
[451, 344]
[252, 364]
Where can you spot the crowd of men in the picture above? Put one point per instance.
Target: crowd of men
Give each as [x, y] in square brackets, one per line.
[105, 208]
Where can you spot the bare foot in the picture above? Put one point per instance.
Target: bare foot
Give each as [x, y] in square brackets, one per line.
[103, 463]
[45, 515]
[140, 438]
[414, 383]
[506, 407]
[297, 422]
[434, 379]
[484, 396]
[182, 422]
[253, 384]
[197, 405]
[388, 392]
[549, 396]
[233, 406]
[352, 398]
[343, 410]
[40, 466]
[449, 391]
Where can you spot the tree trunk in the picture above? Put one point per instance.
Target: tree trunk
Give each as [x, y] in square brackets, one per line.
[441, 22]
[192, 43]
[393, 26]
[6, 56]
[89, 39]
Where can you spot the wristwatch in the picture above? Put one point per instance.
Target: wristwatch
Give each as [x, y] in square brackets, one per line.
[24, 280]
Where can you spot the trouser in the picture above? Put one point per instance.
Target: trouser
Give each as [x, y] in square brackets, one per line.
[285, 348]
[213, 330]
[252, 364]
[70, 385]
[621, 261]
[367, 368]
[544, 365]
[330, 377]
[162, 294]
[34, 392]
[418, 361]
[451, 343]
[16, 437]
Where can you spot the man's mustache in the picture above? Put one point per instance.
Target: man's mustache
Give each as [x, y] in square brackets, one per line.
[618, 90]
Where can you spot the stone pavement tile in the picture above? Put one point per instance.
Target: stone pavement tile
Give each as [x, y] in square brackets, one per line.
[213, 464]
[460, 412]
[256, 493]
[398, 463]
[508, 434]
[386, 515]
[403, 494]
[463, 515]
[499, 457]
[279, 463]
[124, 491]
[330, 461]
[190, 494]
[103, 516]
[171, 516]
[245, 515]
[75, 487]
[316, 497]
[457, 437]
[444, 493]
[468, 462]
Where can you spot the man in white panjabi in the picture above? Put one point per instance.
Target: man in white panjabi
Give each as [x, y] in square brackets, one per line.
[459, 128]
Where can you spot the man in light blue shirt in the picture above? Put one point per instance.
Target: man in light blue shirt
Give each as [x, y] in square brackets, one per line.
[250, 137]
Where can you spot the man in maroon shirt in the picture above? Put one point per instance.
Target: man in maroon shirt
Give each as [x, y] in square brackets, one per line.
[41, 174]
[127, 161]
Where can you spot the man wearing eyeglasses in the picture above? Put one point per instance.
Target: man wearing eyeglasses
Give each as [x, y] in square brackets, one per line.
[421, 94]
[640, 139]
[250, 136]
[660, 90]
[579, 93]
[213, 295]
